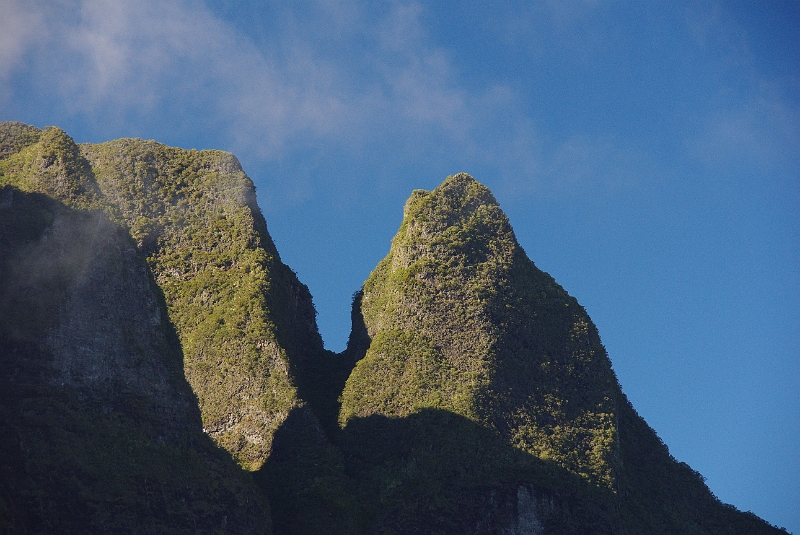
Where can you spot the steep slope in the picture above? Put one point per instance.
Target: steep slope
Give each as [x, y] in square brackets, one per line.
[246, 324]
[100, 430]
[479, 397]
[460, 320]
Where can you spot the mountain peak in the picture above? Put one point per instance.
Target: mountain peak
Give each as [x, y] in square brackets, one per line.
[478, 397]
[462, 320]
[455, 199]
[48, 161]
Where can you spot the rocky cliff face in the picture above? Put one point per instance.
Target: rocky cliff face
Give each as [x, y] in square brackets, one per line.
[77, 290]
[101, 431]
[96, 398]
[246, 324]
[143, 302]
[462, 320]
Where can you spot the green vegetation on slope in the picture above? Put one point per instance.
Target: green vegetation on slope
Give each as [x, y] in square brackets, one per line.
[475, 394]
[52, 165]
[494, 339]
[194, 215]
[101, 432]
[420, 449]
[16, 136]
[465, 328]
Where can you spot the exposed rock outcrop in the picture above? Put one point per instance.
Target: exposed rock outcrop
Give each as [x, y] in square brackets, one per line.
[462, 320]
[142, 302]
[101, 432]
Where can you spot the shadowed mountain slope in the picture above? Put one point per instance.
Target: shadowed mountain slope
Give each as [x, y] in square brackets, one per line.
[460, 320]
[246, 324]
[100, 430]
[142, 302]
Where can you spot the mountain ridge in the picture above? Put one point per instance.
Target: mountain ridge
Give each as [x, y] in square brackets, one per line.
[474, 395]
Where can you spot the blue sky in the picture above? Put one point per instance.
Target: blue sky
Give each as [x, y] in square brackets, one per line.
[647, 154]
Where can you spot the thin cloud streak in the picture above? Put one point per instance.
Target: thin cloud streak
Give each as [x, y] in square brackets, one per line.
[115, 58]
[760, 136]
[346, 79]
[20, 28]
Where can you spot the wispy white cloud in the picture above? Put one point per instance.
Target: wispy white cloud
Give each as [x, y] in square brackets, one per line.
[111, 56]
[117, 57]
[761, 135]
[344, 75]
[21, 26]
[578, 167]
[752, 125]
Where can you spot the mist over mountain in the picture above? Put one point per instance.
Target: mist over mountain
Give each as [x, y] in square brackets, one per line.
[162, 370]
[100, 430]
